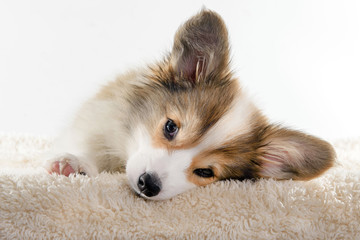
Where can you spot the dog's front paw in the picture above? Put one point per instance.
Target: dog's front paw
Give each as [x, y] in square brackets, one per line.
[65, 164]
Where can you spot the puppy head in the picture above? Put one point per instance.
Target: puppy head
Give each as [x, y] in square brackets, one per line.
[192, 124]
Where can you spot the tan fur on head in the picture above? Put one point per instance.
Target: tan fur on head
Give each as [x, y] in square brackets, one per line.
[202, 92]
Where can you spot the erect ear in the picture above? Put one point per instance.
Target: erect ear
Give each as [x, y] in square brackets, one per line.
[201, 47]
[289, 154]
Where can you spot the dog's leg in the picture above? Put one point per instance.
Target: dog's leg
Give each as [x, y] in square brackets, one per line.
[66, 164]
[70, 155]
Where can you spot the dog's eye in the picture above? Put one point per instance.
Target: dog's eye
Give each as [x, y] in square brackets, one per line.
[204, 172]
[170, 129]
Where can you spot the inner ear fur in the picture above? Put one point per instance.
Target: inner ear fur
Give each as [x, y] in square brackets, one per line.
[201, 47]
[290, 154]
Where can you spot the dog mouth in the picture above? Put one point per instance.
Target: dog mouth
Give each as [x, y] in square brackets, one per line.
[142, 195]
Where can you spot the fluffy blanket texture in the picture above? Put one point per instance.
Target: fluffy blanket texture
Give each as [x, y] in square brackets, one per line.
[36, 205]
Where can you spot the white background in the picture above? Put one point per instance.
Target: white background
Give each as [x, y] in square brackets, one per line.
[299, 59]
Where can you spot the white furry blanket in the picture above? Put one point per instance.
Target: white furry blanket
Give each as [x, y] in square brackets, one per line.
[36, 205]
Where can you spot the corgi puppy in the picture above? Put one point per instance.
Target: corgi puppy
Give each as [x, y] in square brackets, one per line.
[184, 122]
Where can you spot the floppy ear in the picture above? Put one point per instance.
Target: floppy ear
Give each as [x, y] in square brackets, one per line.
[289, 154]
[200, 47]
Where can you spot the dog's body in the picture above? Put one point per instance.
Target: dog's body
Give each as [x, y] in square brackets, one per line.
[184, 122]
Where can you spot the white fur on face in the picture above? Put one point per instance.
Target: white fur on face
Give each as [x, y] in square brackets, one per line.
[170, 166]
[234, 123]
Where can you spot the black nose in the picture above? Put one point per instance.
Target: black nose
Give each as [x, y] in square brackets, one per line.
[149, 184]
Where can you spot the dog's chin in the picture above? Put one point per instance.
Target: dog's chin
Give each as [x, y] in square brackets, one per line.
[155, 198]
[158, 197]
